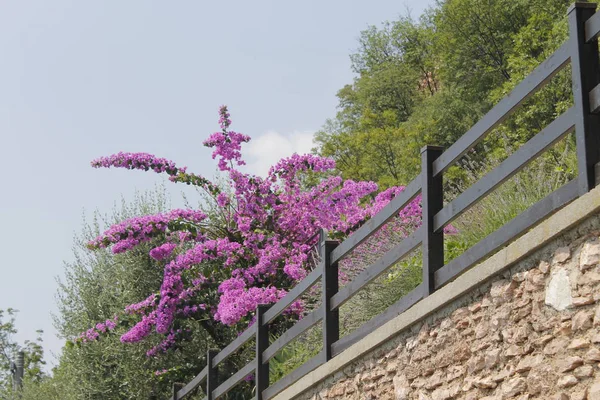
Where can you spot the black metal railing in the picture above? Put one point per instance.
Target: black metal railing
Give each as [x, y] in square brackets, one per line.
[581, 50]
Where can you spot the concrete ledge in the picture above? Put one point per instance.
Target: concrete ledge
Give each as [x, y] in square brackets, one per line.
[563, 220]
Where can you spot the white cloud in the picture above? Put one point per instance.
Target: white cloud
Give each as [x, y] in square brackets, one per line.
[265, 150]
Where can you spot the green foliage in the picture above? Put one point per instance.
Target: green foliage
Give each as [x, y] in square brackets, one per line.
[417, 82]
[9, 348]
[533, 183]
[458, 60]
[428, 81]
[96, 286]
[474, 38]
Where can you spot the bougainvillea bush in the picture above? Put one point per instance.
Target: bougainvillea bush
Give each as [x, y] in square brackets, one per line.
[257, 245]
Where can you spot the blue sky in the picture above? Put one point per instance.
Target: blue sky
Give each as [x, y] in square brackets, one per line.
[82, 79]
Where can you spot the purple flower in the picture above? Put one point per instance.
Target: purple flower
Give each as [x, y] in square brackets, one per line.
[163, 251]
[258, 241]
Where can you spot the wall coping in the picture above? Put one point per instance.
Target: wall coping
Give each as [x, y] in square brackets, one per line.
[549, 229]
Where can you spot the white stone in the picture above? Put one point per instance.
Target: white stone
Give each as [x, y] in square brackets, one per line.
[401, 387]
[424, 396]
[411, 344]
[558, 293]
[590, 254]
[594, 391]
[567, 381]
[561, 255]
[513, 387]
[445, 394]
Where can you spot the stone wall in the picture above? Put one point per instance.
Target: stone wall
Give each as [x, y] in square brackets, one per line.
[532, 333]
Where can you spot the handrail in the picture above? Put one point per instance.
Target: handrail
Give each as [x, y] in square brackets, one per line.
[523, 91]
[235, 345]
[193, 384]
[523, 222]
[592, 27]
[293, 376]
[388, 212]
[407, 301]
[581, 49]
[375, 270]
[506, 169]
[292, 295]
[299, 327]
[234, 380]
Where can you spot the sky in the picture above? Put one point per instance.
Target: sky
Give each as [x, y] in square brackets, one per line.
[82, 79]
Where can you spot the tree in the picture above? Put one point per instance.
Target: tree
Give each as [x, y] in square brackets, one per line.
[97, 286]
[9, 349]
[397, 71]
[404, 44]
[475, 38]
[455, 63]
[251, 243]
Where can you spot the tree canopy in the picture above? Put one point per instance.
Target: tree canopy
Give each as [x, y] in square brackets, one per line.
[427, 81]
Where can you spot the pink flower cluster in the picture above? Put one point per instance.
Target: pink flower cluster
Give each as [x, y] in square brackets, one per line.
[191, 310]
[141, 161]
[288, 168]
[166, 344]
[149, 162]
[131, 232]
[163, 251]
[141, 329]
[94, 333]
[172, 291]
[138, 308]
[227, 144]
[265, 246]
[237, 300]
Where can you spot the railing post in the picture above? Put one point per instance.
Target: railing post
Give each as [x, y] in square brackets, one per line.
[262, 342]
[212, 374]
[330, 286]
[432, 201]
[176, 388]
[585, 71]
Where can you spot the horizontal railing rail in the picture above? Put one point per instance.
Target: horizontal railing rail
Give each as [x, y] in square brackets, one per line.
[234, 380]
[381, 218]
[293, 295]
[407, 301]
[235, 345]
[501, 111]
[581, 50]
[545, 139]
[299, 328]
[193, 384]
[501, 237]
[592, 28]
[293, 376]
[375, 270]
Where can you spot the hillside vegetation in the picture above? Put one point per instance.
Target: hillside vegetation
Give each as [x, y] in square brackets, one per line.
[417, 82]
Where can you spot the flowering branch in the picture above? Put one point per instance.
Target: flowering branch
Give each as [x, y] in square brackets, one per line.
[262, 249]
